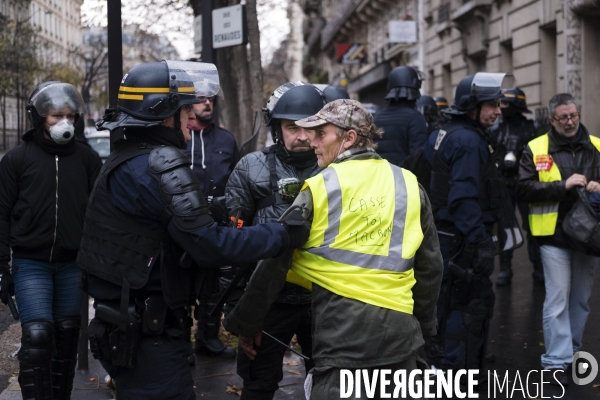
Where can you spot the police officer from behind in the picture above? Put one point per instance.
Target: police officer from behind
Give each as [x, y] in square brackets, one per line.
[404, 128]
[464, 190]
[267, 182]
[372, 257]
[512, 136]
[145, 211]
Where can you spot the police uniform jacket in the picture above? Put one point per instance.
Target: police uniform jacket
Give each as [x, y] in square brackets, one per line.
[471, 197]
[572, 157]
[349, 333]
[404, 130]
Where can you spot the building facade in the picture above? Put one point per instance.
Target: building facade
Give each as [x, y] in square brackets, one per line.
[551, 46]
[361, 26]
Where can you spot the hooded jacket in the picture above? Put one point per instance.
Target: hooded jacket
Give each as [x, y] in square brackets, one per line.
[214, 154]
[43, 199]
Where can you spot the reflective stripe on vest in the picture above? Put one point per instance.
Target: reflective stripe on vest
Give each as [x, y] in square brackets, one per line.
[366, 230]
[543, 216]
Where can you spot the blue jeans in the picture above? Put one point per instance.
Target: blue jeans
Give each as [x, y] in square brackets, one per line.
[569, 280]
[45, 290]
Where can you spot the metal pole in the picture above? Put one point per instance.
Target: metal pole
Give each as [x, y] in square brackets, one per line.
[208, 53]
[115, 57]
[115, 50]
[82, 358]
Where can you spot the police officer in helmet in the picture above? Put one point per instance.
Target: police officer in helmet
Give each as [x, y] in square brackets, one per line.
[512, 135]
[427, 106]
[149, 234]
[404, 128]
[265, 194]
[464, 195]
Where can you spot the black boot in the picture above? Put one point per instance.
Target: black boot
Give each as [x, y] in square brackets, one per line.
[505, 275]
[207, 336]
[35, 360]
[65, 358]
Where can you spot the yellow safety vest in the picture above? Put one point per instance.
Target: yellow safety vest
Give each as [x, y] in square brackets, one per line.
[365, 232]
[543, 216]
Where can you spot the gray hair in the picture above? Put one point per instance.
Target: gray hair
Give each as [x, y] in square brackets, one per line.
[365, 139]
[561, 99]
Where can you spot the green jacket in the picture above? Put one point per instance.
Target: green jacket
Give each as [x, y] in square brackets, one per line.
[348, 333]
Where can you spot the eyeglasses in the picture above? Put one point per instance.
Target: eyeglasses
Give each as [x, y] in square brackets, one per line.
[204, 98]
[565, 118]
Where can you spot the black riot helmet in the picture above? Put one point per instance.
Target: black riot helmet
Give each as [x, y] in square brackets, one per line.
[293, 101]
[518, 99]
[426, 105]
[404, 84]
[153, 91]
[53, 96]
[441, 102]
[332, 93]
[475, 89]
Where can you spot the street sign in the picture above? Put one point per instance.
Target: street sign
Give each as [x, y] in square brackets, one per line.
[229, 26]
[403, 31]
[198, 34]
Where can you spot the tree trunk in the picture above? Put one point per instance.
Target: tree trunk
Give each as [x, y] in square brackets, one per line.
[255, 71]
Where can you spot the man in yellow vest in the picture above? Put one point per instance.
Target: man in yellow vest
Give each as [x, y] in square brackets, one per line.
[552, 167]
[372, 259]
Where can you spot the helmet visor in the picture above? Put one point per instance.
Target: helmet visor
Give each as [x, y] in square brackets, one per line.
[58, 98]
[204, 76]
[490, 84]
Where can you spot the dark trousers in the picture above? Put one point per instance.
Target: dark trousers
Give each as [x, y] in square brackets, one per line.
[262, 375]
[162, 371]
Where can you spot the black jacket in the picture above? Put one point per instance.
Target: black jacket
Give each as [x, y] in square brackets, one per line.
[43, 200]
[404, 130]
[215, 156]
[571, 157]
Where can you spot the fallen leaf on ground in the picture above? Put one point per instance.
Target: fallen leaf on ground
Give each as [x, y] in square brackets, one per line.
[293, 371]
[231, 388]
[595, 385]
[92, 379]
[290, 362]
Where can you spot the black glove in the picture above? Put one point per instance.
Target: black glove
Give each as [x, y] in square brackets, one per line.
[297, 234]
[483, 259]
[7, 286]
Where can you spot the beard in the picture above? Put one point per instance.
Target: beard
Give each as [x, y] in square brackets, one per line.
[204, 118]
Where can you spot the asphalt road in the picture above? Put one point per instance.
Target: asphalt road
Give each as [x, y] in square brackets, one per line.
[516, 339]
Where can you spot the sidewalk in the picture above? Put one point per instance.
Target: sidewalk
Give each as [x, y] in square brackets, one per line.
[88, 385]
[214, 378]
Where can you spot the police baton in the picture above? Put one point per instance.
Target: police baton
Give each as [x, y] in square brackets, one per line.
[285, 345]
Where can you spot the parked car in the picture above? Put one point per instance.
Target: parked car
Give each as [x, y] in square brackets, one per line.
[100, 143]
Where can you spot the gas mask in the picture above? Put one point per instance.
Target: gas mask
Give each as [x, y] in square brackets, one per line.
[62, 131]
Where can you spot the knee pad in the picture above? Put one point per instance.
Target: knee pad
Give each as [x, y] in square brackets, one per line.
[36, 343]
[67, 336]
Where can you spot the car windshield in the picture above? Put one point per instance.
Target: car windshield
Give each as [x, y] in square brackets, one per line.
[101, 145]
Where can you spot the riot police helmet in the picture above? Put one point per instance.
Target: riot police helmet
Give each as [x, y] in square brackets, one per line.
[332, 93]
[151, 92]
[440, 102]
[293, 101]
[404, 84]
[517, 98]
[426, 105]
[51, 97]
[475, 89]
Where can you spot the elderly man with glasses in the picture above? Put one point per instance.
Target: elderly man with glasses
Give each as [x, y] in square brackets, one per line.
[552, 167]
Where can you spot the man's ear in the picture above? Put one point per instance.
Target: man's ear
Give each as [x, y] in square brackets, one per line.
[351, 137]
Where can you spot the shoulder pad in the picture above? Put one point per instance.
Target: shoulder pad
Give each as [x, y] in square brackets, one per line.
[179, 180]
[164, 158]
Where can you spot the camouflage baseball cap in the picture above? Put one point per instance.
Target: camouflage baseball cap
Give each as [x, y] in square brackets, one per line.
[343, 113]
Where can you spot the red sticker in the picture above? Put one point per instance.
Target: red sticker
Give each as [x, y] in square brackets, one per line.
[543, 162]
